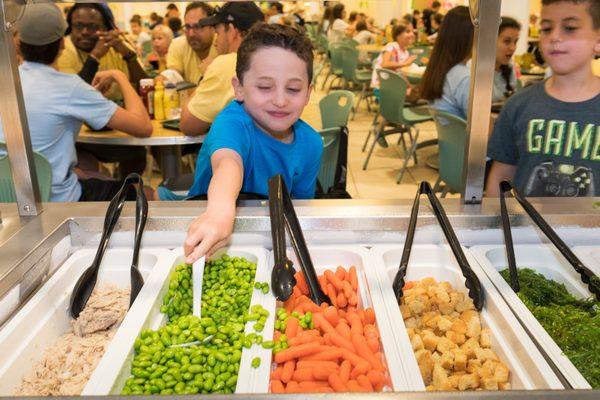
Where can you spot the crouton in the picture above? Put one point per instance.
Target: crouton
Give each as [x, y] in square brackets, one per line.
[501, 373]
[416, 342]
[468, 381]
[489, 384]
[457, 338]
[430, 342]
[405, 311]
[460, 361]
[459, 326]
[444, 324]
[485, 339]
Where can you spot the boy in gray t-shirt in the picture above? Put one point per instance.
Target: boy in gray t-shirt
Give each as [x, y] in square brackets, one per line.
[547, 138]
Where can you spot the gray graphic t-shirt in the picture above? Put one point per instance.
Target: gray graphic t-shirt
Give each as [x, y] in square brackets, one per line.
[555, 145]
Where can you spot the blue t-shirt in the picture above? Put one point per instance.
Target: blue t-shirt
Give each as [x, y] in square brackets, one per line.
[56, 105]
[555, 145]
[262, 155]
[455, 96]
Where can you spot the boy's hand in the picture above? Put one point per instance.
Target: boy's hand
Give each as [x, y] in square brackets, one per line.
[208, 233]
[103, 80]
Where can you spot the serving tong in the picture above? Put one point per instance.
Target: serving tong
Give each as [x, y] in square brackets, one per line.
[587, 276]
[472, 282]
[283, 215]
[87, 281]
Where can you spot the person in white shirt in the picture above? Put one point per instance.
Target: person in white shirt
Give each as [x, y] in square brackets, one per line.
[395, 54]
[339, 29]
[363, 36]
[139, 35]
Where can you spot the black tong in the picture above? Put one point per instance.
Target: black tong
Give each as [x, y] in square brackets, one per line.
[85, 285]
[282, 211]
[587, 276]
[472, 282]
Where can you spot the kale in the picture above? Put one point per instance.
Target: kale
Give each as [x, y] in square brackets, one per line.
[573, 323]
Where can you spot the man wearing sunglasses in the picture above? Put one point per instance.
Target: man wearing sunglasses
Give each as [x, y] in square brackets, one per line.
[215, 91]
[191, 55]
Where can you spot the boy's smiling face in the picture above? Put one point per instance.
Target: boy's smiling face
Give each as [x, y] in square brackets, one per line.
[568, 38]
[275, 90]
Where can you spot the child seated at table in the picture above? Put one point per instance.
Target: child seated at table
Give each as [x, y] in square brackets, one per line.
[547, 138]
[395, 54]
[258, 135]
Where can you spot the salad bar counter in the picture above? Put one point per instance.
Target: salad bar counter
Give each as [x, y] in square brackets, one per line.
[455, 327]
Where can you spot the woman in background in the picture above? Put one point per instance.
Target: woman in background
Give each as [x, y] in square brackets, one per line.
[339, 29]
[446, 82]
[505, 79]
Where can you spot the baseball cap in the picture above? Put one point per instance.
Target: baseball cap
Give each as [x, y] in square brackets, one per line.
[241, 14]
[42, 23]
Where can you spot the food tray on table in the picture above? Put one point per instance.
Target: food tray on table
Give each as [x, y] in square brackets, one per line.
[113, 371]
[329, 258]
[45, 317]
[546, 260]
[528, 369]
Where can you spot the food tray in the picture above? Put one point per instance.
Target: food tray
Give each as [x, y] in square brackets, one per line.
[330, 257]
[548, 261]
[590, 256]
[115, 367]
[45, 317]
[528, 368]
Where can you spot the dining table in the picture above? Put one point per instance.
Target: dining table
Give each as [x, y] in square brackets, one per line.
[168, 142]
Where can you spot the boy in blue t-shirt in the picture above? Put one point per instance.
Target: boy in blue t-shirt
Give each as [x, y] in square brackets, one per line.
[547, 138]
[258, 135]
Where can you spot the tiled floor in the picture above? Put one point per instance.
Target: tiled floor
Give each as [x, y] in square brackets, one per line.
[379, 180]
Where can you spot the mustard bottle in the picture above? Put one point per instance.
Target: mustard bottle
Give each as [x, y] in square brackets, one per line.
[159, 106]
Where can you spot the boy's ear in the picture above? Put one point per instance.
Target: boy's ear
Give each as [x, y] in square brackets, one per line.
[238, 90]
[308, 93]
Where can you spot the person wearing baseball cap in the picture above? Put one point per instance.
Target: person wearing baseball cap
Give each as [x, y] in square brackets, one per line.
[58, 103]
[215, 91]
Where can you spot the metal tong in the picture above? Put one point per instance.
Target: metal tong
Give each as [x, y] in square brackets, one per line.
[587, 276]
[472, 282]
[87, 281]
[282, 211]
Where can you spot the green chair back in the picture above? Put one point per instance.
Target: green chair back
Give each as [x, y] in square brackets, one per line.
[392, 94]
[452, 141]
[336, 56]
[44, 175]
[349, 60]
[331, 149]
[335, 108]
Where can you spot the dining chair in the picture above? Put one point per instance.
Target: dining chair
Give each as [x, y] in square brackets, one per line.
[335, 108]
[43, 170]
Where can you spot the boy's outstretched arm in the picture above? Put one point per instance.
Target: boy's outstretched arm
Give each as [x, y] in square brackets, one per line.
[212, 230]
[498, 173]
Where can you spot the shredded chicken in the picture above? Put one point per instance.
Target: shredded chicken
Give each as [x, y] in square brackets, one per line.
[66, 367]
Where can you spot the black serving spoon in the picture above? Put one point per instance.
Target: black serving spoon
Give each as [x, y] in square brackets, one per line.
[141, 215]
[471, 281]
[282, 275]
[87, 281]
[587, 276]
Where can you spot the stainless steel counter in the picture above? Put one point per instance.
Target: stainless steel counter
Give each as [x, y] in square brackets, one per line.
[32, 248]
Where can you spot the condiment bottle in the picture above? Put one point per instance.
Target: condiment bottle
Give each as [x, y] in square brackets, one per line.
[171, 101]
[159, 102]
[147, 94]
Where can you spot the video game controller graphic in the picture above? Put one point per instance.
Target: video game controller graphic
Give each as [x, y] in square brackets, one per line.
[562, 180]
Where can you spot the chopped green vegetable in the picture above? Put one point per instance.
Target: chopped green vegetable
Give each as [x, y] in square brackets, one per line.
[256, 362]
[574, 324]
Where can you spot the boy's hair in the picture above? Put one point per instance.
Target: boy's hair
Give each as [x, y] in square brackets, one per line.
[398, 30]
[45, 54]
[208, 9]
[274, 35]
[174, 24]
[361, 26]
[593, 8]
[453, 46]
[508, 23]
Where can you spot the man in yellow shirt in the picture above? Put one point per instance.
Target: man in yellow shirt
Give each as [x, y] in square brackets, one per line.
[215, 90]
[94, 44]
[191, 54]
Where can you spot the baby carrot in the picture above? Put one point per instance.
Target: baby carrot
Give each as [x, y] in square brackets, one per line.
[376, 378]
[332, 315]
[336, 383]
[332, 294]
[322, 282]
[276, 374]
[353, 278]
[345, 370]
[340, 273]
[354, 359]
[288, 371]
[327, 355]
[356, 327]
[291, 329]
[353, 386]
[343, 329]
[373, 344]
[369, 316]
[347, 288]
[321, 373]
[296, 352]
[363, 350]
[277, 386]
[360, 369]
[334, 280]
[330, 365]
[353, 300]
[342, 302]
[302, 375]
[365, 383]
[292, 387]
[337, 339]
[361, 314]
[301, 283]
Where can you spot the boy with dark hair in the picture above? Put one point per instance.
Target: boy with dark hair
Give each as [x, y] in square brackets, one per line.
[547, 138]
[258, 135]
[57, 104]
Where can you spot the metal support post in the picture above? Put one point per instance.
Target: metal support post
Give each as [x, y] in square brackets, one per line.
[13, 116]
[485, 15]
